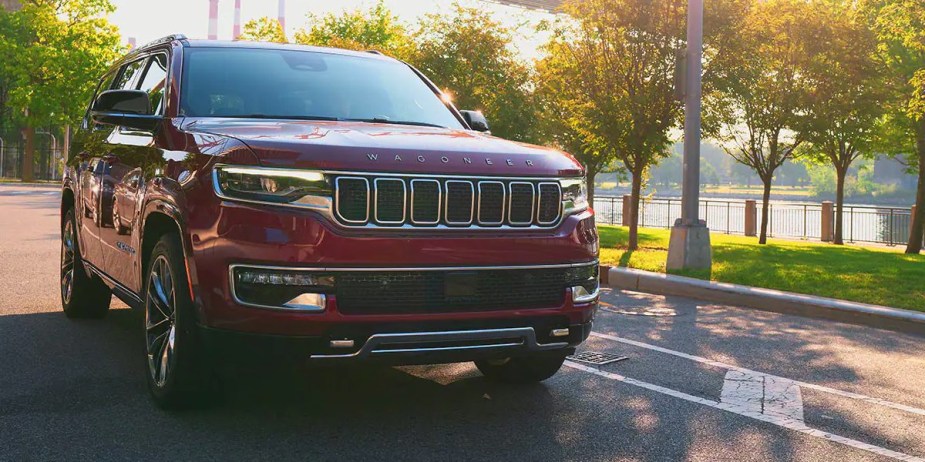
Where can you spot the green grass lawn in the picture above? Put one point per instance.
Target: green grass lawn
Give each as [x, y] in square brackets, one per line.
[882, 276]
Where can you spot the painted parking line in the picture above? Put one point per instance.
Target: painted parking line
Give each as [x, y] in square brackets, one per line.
[763, 394]
[812, 386]
[779, 420]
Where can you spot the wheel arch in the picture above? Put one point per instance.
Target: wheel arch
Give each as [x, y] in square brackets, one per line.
[161, 218]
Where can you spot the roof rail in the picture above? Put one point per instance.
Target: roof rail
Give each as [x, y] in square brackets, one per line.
[375, 52]
[166, 39]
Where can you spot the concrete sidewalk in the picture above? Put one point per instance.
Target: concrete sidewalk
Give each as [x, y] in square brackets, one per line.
[767, 299]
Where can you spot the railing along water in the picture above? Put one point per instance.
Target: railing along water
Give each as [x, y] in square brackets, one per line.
[885, 225]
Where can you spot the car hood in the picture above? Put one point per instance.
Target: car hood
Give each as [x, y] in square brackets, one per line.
[379, 147]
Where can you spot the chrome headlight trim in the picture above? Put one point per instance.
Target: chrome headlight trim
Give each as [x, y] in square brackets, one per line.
[574, 195]
[318, 194]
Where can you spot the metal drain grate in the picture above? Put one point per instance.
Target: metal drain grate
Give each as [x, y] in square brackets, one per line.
[596, 358]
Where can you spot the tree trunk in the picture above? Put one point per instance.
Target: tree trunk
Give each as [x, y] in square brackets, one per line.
[765, 206]
[633, 243]
[840, 175]
[917, 233]
[28, 156]
[589, 184]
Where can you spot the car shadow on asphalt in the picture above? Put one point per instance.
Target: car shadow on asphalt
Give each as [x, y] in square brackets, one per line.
[83, 378]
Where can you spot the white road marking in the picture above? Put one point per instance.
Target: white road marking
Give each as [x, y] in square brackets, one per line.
[785, 422]
[763, 394]
[812, 386]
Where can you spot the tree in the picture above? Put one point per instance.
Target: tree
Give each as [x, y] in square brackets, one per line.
[566, 114]
[761, 93]
[263, 29]
[52, 53]
[900, 29]
[373, 29]
[469, 54]
[620, 59]
[846, 97]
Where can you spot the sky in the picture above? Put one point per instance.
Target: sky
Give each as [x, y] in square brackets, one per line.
[147, 20]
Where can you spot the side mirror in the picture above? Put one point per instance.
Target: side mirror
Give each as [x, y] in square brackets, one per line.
[129, 108]
[475, 120]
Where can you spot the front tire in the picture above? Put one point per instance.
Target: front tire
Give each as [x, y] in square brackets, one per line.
[523, 369]
[82, 296]
[176, 371]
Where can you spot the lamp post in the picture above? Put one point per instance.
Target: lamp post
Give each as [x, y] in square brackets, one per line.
[1, 157]
[689, 247]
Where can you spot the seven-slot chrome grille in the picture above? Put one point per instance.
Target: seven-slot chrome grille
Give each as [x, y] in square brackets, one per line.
[401, 202]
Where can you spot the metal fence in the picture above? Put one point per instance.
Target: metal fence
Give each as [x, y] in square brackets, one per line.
[884, 225]
[48, 159]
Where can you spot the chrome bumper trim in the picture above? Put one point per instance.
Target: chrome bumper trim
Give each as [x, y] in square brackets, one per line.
[333, 269]
[416, 342]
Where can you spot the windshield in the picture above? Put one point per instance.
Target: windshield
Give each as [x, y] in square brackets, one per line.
[295, 84]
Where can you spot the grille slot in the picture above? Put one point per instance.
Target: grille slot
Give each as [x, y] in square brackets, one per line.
[520, 203]
[491, 203]
[390, 200]
[400, 201]
[399, 292]
[460, 199]
[549, 203]
[425, 202]
[352, 199]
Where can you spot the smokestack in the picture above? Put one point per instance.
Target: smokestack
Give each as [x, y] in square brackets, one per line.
[213, 19]
[236, 31]
[282, 15]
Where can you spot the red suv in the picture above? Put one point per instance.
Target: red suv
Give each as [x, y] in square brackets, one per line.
[321, 205]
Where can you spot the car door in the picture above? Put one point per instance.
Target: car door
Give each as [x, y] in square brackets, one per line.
[130, 156]
[125, 203]
[89, 168]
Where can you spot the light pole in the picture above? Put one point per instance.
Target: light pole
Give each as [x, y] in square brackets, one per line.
[1, 157]
[689, 247]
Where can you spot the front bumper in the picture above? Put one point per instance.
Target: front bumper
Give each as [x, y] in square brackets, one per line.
[402, 344]
[240, 234]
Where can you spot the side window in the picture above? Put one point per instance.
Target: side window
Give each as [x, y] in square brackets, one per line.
[154, 81]
[129, 75]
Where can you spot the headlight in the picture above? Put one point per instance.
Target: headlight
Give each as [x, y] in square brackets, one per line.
[273, 185]
[574, 195]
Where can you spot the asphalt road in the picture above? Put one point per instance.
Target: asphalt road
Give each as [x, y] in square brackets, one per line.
[700, 382]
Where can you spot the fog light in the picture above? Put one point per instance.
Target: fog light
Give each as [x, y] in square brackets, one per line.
[281, 289]
[283, 278]
[580, 294]
[312, 302]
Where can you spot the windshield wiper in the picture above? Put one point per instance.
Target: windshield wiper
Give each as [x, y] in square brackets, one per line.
[383, 120]
[281, 117]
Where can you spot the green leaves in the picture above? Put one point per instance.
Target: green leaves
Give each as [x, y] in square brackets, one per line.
[469, 53]
[263, 29]
[375, 28]
[52, 53]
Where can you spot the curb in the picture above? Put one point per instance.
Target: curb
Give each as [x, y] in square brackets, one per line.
[31, 185]
[766, 299]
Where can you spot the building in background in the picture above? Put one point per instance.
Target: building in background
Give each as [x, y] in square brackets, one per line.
[10, 5]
